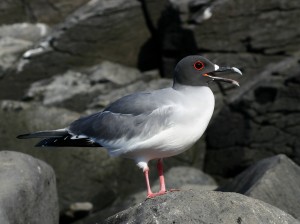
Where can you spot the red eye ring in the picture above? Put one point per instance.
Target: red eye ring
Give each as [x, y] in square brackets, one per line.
[198, 65]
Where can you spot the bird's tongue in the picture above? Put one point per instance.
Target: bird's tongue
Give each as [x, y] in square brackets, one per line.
[216, 78]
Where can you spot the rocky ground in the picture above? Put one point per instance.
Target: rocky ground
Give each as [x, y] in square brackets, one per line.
[62, 59]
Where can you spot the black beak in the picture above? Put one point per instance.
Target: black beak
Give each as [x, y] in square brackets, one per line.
[224, 70]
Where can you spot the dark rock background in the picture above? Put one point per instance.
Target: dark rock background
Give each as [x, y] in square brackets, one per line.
[61, 59]
[28, 190]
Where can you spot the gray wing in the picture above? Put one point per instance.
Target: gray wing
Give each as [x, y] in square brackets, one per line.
[141, 114]
[135, 104]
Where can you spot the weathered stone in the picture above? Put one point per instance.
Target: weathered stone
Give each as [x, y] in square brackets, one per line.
[144, 84]
[25, 31]
[260, 120]
[77, 210]
[253, 28]
[178, 178]
[244, 34]
[98, 174]
[50, 12]
[10, 50]
[15, 40]
[274, 180]
[100, 30]
[202, 207]
[76, 89]
[28, 190]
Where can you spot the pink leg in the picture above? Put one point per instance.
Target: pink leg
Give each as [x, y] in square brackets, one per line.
[161, 176]
[150, 194]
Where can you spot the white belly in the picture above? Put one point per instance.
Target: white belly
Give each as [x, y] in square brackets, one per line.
[170, 142]
[190, 122]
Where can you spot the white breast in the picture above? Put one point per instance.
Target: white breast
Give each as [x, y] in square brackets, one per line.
[194, 108]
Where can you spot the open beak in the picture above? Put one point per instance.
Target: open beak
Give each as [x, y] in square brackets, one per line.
[224, 70]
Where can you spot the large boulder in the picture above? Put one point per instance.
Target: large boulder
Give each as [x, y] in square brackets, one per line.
[102, 171]
[28, 190]
[261, 120]
[202, 207]
[253, 29]
[242, 34]
[274, 180]
[92, 166]
[177, 178]
[99, 30]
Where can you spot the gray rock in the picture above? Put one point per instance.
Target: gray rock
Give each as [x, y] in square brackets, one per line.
[28, 190]
[103, 30]
[50, 12]
[15, 40]
[76, 89]
[76, 211]
[10, 51]
[274, 180]
[145, 84]
[202, 207]
[177, 178]
[243, 35]
[259, 121]
[99, 30]
[25, 31]
[98, 174]
[229, 35]
[246, 35]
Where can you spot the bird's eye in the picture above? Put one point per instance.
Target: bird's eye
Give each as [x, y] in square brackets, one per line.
[199, 65]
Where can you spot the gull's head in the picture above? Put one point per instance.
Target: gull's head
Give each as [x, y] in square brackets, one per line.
[196, 70]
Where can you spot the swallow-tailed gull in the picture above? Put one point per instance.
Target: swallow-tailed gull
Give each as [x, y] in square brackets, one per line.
[149, 125]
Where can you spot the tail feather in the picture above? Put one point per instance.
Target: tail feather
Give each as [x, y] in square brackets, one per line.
[59, 138]
[67, 141]
[45, 134]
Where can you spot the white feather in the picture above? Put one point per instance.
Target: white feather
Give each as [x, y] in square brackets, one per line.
[190, 120]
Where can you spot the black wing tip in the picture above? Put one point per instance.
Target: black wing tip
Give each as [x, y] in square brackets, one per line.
[66, 141]
[23, 136]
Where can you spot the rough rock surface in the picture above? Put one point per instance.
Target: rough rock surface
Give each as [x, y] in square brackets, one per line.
[261, 120]
[148, 82]
[202, 207]
[180, 178]
[28, 190]
[274, 180]
[11, 50]
[15, 40]
[25, 31]
[93, 87]
[92, 166]
[253, 30]
[258, 120]
[242, 33]
[34, 11]
[100, 30]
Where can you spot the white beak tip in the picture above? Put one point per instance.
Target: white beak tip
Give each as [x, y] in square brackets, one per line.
[237, 70]
[236, 83]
